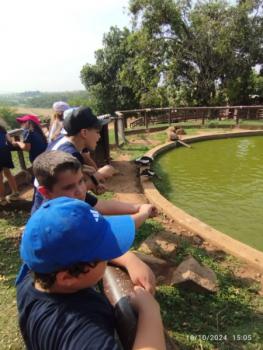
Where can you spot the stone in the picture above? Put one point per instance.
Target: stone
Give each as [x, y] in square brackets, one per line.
[163, 245]
[162, 269]
[197, 240]
[195, 277]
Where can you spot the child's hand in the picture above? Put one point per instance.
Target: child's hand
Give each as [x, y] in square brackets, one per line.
[88, 170]
[143, 301]
[148, 209]
[154, 212]
[100, 189]
[141, 274]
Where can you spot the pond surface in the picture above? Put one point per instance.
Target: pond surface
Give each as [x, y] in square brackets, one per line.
[220, 182]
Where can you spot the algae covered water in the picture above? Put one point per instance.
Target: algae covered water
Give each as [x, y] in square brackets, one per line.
[220, 182]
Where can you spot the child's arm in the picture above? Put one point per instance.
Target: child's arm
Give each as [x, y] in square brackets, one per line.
[150, 334]
[9, 138]
[22, 145]
[145, 211]
[114, 207]
[88, 160]
[139, 272]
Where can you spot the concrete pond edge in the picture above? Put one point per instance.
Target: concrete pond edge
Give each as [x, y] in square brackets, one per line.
[218, 239]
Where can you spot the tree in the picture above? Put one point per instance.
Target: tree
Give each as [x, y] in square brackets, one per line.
[7, 117]
[208, 47]
[178, 54]
[102, 80]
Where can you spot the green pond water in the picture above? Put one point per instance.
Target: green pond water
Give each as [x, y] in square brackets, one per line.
[220, 182]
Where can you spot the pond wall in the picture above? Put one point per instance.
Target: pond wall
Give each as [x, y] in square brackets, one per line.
[210, 234]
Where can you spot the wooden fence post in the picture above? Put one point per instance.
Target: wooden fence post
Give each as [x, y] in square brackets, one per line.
[116, 136]
[20, 153]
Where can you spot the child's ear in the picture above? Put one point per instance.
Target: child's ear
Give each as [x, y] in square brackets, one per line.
[64, 279]
[44, 191]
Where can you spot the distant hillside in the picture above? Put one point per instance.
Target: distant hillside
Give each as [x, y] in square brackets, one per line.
[37, 99]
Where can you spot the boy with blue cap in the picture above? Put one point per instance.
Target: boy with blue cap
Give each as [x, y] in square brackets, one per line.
[60, 175]
[66, 244]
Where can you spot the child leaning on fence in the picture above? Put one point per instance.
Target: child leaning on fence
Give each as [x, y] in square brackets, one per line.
[6, 163]
[33, 138]
[58, 306]
[59, 175]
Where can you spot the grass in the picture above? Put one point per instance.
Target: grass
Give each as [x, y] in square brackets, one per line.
[9, 265]
[212, 123]
[148, 228]
[236, 310]
[139, 144]
[234, 315]
[105, 196]
[15, 158]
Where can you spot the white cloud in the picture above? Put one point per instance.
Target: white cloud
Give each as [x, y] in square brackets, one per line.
[44, 44]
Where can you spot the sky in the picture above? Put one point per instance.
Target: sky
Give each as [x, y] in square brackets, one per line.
[45, 43]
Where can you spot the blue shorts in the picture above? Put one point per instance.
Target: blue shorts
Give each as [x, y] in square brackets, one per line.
[6, 159]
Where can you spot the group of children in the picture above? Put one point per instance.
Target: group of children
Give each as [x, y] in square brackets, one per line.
[33, 140]
[67, 243]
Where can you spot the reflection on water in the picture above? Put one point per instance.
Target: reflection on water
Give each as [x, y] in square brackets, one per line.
[243, 148]
[220, 182]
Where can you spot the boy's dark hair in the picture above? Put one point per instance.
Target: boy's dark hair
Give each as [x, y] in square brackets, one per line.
[48, 165]
[46, 280]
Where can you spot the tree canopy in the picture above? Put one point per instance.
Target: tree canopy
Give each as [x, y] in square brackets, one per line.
[178, 53]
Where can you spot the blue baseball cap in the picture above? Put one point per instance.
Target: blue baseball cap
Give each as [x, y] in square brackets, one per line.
[65, 231]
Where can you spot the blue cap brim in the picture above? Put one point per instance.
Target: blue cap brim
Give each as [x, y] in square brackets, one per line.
[118, 238]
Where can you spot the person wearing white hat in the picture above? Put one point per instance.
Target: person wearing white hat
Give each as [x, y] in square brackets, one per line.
[55, 128]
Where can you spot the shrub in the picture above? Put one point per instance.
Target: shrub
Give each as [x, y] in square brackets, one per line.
[8, 114]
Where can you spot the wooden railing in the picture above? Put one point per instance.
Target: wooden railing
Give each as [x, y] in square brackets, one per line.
[146, 118]
[16, 133]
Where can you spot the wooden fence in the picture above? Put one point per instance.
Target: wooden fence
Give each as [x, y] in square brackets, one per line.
[139, 119]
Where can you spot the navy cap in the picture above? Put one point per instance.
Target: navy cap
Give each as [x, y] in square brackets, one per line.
[76, 119]
[65, 231]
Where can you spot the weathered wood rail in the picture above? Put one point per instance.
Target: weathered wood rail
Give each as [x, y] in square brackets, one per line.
[127, 120]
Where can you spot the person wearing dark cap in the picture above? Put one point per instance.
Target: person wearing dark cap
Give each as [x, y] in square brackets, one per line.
[83, 131]
[58, 305]
[33, 138]
[73, 121]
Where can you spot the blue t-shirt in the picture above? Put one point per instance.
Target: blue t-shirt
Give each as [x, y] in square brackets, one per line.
[2, 139]
[77, 321]
[62, 144]
[39, 200]
[38, 144]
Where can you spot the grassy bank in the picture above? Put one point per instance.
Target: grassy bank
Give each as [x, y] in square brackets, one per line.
[9, 265]
[230, 319]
